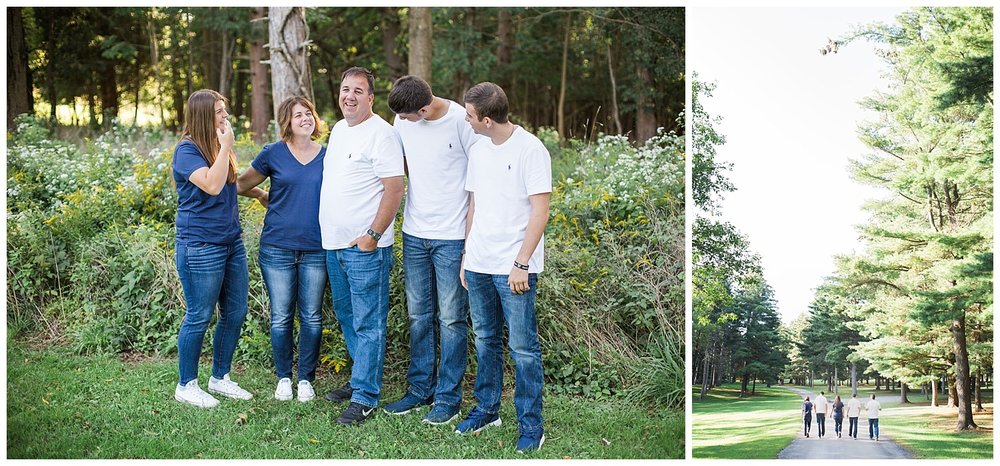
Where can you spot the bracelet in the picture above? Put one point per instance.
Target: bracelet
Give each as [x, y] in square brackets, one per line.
[520, 265]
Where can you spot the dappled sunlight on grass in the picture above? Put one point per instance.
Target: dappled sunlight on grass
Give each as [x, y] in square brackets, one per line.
[930, 432]
[725, 426]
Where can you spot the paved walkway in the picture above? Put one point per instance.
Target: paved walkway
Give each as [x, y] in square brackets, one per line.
[831, 447]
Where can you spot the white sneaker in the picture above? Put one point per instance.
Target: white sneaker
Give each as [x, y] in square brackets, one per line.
[306, 392]
[192, 394]
[226, 387]
[284, 390]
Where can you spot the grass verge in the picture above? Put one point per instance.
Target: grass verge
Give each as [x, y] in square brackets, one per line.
[758, 427]
[61, 405]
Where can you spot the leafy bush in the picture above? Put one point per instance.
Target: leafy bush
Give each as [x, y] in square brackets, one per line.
[91, 256]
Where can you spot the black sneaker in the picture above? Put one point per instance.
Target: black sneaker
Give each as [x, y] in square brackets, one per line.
[356, 413]
[341, 394]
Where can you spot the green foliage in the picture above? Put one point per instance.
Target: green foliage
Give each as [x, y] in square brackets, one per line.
[91, 255]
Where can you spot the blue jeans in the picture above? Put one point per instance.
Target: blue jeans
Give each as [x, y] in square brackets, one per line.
[821, 423]
[872, 428]
[852, 427]
[433, 283]
[211, 274]
[838, 424]
[359, 284]
[294, 279]
[491, 303]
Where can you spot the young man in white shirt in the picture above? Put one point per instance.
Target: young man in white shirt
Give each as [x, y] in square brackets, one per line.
[359, 197]
[821, 402]
[436, 141]
[873, 408]
[510, 182]
[853, 411]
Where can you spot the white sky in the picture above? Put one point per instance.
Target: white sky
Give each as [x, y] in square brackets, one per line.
[790, 116]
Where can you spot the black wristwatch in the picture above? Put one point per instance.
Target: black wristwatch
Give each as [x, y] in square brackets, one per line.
[375, 235]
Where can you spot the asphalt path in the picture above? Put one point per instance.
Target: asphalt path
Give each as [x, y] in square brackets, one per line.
[831, 447]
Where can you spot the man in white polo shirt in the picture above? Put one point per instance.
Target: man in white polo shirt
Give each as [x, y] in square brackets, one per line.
[821, 402]
[873, 408]
[436, 141]
[853, 412]
[362, 187]
[509, 181]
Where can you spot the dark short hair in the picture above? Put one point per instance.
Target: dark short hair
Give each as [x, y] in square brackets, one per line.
[489, 100]
[360, 71]
[409, 94]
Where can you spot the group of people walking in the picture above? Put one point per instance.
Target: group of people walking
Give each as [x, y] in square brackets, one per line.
[822, 406]
[477, 203]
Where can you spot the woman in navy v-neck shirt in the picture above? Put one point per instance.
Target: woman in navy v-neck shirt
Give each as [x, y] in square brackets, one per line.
[292, 260]
[211, 259]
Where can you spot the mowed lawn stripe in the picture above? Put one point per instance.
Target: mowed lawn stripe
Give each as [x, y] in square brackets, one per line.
[757, 427]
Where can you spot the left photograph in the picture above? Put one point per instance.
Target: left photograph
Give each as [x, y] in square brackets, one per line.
[351, 233]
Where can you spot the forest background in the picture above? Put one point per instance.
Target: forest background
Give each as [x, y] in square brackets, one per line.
[95, 99]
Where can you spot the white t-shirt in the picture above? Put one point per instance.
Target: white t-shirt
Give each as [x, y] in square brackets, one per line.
[357, 158]
[853, 407]
[437, 158]
[873, 408]
[821, 404]
[501, 179]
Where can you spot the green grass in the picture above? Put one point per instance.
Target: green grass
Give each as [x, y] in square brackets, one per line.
[61, 405]
[725, 426]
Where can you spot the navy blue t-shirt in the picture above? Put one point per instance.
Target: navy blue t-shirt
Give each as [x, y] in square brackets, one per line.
[292, 220]
[202, 217]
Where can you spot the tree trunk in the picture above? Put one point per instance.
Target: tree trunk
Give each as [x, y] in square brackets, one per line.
[952, 393]
[505, 44]
[289, 46]
[645, 109]
[19, 99]
[239, 104]
[259, 110]
[614, 94]
[704, 373]
[109, 96]
[934, 394]
[421, 43]
[743, 386]
[979, 392]
[391, 28]
[226, 63]
[903, 390]
[854, 378]
[561, 110]
[154, 55]
[963, 397]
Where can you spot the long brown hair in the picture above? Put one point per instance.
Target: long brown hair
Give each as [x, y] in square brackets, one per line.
[199, 127]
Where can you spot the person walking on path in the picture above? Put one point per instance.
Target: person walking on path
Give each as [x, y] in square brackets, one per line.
[821, 409]
[873, 407]
[838, 416]
[853, 411]
[291, 255]
[807, 415]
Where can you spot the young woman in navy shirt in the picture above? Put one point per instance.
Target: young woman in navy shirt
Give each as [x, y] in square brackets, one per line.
[292, 259]
[211, 260]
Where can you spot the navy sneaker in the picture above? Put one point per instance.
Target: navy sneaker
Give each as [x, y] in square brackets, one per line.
[441, 414]
[356, 413]
[530, 442]
[476, 421]
[341, 394]
[406, 404]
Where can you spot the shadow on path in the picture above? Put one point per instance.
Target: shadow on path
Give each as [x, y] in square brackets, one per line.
[831, 447]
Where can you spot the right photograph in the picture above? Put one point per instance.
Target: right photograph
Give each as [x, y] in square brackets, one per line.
[842, 237]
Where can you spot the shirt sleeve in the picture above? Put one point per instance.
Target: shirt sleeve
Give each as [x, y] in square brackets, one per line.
[387, 155]
[187, 159]
[466, 136]
[262, 163]
[538, 170]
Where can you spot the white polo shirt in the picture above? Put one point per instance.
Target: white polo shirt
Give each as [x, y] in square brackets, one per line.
[873, 409]
[437, 159]
[357, 158]
[501, 179]
[853, 407]
[821, 404]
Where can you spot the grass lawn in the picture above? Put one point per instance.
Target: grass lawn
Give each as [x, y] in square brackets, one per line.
[61, 405]
[725, 426]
